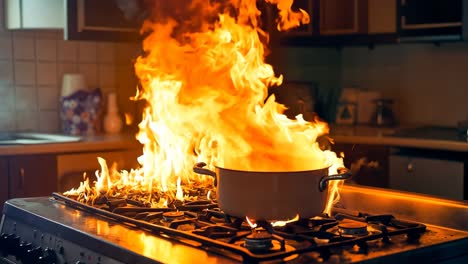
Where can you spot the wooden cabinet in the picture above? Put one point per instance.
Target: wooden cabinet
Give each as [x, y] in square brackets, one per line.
[343, 17]
[33, 175]
[345, 22]
[438, 19]
[3, 181]
[27, 176]
[103, 20]
[368, 163]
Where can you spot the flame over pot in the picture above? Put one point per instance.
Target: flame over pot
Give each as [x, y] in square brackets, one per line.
[205, 82]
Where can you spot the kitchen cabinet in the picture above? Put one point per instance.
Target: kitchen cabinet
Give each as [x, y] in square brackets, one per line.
[32, 175]
[348, 22]
[33, 14]
[103, 20]
[432, 19]
[368, 163]
[3, 181]
[343, 17]
[429, 172]
[70, 167]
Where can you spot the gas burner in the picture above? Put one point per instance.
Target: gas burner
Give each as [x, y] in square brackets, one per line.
[259, 241]
[352, 228]
[171, 216]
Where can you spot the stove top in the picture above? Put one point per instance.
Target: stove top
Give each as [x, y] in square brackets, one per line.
[66, 230]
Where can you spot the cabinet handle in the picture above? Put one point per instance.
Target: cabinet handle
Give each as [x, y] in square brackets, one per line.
[410, 167]
[21, 179]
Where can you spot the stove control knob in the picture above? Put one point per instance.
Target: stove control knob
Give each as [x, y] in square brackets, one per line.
[49, 257]
[32, 255]
[22, 250]
[12, 243]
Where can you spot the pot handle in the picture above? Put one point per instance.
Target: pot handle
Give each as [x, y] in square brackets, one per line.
[198, 168]
[343, 174]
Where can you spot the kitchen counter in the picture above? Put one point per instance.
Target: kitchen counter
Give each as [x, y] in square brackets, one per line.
[87, 144]
[388, 137]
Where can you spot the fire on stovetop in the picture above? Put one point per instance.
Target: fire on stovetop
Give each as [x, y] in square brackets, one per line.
[205, 83]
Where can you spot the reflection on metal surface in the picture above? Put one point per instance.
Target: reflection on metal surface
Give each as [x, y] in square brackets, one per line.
[421, 208]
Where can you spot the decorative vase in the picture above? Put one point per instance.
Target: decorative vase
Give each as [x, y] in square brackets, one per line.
[112, 120]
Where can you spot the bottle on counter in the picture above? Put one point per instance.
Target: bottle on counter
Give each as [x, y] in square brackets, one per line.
[112, 120]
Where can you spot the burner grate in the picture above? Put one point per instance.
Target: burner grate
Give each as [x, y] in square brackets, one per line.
[204, 223]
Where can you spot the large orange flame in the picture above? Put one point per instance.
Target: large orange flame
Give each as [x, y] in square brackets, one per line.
[205, 81]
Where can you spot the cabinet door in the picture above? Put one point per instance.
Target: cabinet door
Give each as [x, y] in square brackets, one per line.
[339, 17]
[429, 176]
[34, 175]
[419, 14]
[3, 181]
[382, 16]
[102, 20]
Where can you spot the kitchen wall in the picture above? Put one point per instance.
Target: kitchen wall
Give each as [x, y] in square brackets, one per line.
[31, 66]
[321, 66]
[428, 83]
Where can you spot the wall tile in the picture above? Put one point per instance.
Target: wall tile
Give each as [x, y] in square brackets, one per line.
[7, 97]
[107, 77]
[6, 49]
[49, 121]
[7, 121]
[46, 49]
[67, 51]
[90, 72]
[26, 98]
[25, 73]
[63, 68]
[27, 121]
[46, 34]
[23, 48]
[24, 33]
[87, 51]
[46, 73]
[6, 71]
[48, 98]
[126, 53]
[105, 52]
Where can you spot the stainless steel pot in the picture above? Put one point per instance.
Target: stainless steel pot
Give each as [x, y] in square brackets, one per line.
[271, 195]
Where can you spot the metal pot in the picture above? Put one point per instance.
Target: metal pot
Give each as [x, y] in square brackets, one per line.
[271, 195]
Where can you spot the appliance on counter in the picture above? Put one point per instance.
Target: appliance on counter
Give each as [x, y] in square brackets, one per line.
[367, 225]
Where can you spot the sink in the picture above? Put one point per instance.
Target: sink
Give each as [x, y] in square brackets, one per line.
[30, 138]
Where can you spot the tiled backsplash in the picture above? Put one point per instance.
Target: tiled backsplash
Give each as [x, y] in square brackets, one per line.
[32, 63]
[428, 83]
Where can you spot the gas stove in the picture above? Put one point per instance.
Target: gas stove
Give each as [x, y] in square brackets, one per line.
[368, 225]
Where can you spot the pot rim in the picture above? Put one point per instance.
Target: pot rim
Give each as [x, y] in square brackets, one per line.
[283, 172]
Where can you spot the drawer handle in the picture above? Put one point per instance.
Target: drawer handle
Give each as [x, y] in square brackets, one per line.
[410, 167]
[21, 179]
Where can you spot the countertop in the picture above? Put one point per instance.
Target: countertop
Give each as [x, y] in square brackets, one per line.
[387, 136]
[86, 144]
[340, 134]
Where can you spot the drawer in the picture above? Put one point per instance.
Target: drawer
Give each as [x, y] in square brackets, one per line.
[438, 177]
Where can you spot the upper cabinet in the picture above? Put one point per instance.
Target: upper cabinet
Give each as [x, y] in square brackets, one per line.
[344, 22]
[103, 20]
[33, 14]
[368, 22]
[432, 19]
[342, 17]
